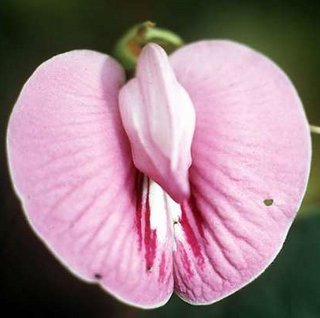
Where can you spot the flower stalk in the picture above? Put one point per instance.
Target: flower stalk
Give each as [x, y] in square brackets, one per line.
[315, 129]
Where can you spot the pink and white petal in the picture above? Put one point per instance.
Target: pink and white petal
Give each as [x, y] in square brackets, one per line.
[251, 159]
[150, 106]
[71, 167]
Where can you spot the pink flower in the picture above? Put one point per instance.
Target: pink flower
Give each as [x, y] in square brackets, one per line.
[186, 178]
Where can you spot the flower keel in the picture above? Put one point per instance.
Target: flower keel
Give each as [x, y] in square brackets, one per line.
[159, 118]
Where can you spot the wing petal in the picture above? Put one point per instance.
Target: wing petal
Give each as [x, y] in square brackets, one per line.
[72, 169]
[250, 165]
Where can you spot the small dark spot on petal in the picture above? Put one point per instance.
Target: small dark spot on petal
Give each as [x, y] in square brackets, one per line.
[97, 276]
[268, 202]
[175, 222]
[149, 268]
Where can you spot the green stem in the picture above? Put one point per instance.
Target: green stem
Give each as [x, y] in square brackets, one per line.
[131, 43]
[315, 129]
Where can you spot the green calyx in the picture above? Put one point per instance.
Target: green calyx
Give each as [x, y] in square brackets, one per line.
[131, 43]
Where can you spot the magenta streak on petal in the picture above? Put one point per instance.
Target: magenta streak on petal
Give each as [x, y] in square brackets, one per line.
[185, 260]
[139, 207]
[190, 235]
[150, 237]
[197, 214]
[162, 272]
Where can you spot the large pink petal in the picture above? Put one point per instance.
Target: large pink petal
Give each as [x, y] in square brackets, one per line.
[72, 169]
[251, 159]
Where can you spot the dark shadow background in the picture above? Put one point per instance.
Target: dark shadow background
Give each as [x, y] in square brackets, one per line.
[32, 282]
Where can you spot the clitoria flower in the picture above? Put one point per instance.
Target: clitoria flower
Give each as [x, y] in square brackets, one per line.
[185, 179]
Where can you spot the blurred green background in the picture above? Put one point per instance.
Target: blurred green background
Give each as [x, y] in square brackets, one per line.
[32, 282]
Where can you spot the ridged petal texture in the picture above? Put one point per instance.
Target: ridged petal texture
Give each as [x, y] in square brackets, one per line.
[250, 164]
[71, 166]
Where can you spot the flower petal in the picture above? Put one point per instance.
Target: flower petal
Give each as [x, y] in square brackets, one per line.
[71, 167]
[251, 159]
[159, 118]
